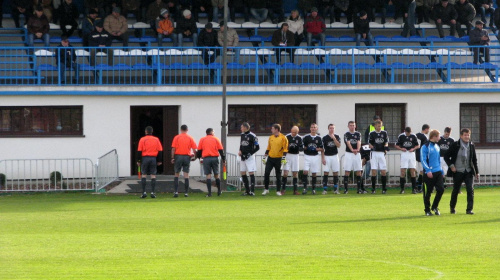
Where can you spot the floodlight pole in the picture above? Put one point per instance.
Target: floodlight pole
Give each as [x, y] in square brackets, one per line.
[224, 82]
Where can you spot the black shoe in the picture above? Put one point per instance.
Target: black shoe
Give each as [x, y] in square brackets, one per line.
[402, 192]
[452, 211]
[469, 212]
[208, 195]
[144, 195]
[414, 191]
[176, 194]
[428, 213]
[219, 193]
[436, 211]
[346, 191]
[384, 191]
[153, 195]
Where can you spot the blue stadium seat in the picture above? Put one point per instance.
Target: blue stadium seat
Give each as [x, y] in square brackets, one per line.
[119, 66]
[233, 65]
[178, 66]
[197, 65]
[142, 66]
[417, 65]
[363, 65]
[381, 65]
[290, 66]
[252, 65]
[399, 65]
[435, 65]
[215, 65]
[162, 66]
[309, 66]
[344, 66]
[327, 66]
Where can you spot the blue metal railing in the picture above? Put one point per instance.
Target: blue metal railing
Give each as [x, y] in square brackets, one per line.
[247, 66]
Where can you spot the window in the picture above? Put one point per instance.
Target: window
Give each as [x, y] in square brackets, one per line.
[484, 122]
[41, 121]
[392, 115]
[262, 117]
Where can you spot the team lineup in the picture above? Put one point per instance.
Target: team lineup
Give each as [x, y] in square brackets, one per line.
[437, 157]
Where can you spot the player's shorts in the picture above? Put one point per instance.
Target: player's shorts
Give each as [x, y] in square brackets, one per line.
[182, 162]
[377, 161]
[352, 162]
[444, 166]
[292, 163]
[312, 163]
[408, 160]
[332, 164]
[211, 164]
[148, 165]
[248, 165]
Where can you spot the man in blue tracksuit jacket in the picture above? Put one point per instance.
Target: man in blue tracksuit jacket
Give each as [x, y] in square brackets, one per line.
[433, 177]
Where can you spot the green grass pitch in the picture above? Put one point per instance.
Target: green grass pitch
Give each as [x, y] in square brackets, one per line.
[87, 236]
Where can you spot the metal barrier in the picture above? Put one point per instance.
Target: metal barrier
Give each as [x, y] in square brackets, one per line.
[252, 66]
[106, 169]
[47, 174]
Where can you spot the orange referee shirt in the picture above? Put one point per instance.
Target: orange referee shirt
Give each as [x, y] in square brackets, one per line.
[210, 146]
[149, 145]
[183, 143]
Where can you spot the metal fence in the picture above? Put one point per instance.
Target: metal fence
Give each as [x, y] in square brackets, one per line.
[249, 65]
[106, 169]
[47, 174]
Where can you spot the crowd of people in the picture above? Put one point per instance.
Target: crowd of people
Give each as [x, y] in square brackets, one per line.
[437, 156]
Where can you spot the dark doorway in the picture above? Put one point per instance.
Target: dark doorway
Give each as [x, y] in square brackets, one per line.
[165, 123]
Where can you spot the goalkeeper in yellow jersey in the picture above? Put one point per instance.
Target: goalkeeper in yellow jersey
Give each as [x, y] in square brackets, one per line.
[277, 148]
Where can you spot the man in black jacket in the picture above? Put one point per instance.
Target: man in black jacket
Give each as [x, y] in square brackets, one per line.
[466, 14]
[362, 29]
[444, 13]
[479, 37]
[283, 38]
[66, 59]
[100, 38]
[462, 161]
[186, 27]
[68, 13]
[484, 7]
[208, 38]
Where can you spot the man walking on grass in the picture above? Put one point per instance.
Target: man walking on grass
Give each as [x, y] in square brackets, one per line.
[150, 153]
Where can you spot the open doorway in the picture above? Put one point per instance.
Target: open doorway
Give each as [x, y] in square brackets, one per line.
[165, 123]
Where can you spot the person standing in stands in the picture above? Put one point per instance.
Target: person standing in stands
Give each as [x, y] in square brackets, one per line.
[282, 38]
[444, 13]
[274, 157]
[38, 28]
[466, 14]
[407, 144]
[379, 144]
[209, 150]
[362, 29]
[433, 178]
[296, 26]
[409, 7]
[186, 28]
[330, 158]
[313, 146]
[165, 28]
[249, 145]
[352, 157]
[67, 14]
[315, 27]
[21, 7]
[150, 152]
[462, 161]
[422, 139]
[183, 151]
[66, 59]
[479, 37]
[484, 7]
[292, 159]
[444, 143]
[116, 25]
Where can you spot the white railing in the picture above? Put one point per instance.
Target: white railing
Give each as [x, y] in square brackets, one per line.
[106, 169]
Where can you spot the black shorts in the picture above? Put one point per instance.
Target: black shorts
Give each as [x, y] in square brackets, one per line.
[148, 165]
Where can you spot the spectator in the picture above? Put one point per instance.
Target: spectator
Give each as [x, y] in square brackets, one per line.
[496, 17]
[66, 59]
[116, 25]
[109, 5]
[362, 29]
[202, 6]
[1, 13]
[21, 7]
[358, 6]
[132, 6]
[67, 14]
[258, 9]
[342, 6]
[242, 6]
[484, 7]
[173, 9]
[186, 27]
[102, 39]
[315, 27]
[424, 9]
[208, 40]
[276, 7]
[232, 40]
[479, 37]
[217, 6]
[38, 28]
[144, 9]
[409, 7]
[296, 26]
[305, 6]
[88, 26]
[165, 28]
[96, 5]
[444, 13]
[46, 6]
[153, 13]
[377, 5]
[282, 38]
[466, 14]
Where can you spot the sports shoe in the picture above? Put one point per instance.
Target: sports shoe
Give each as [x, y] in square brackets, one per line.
[452, 211]
[304, 191]
[282, 192]
[153, 195]
[324, 192]
[313, 192]
[251, 194]
[346, 191]
[265, 192]
[469, 212]
[364, 191]
[176, 194]
[144, 195]
[336, 192]
[374, 192]
[402, 192]
[428, 213]
[278, 193]
[414, 191]
[245, 193]
[208, 195]
[219, 192]
[384, 191]
[358, 191]
[296, 193]
[186, 195]
[436, 211]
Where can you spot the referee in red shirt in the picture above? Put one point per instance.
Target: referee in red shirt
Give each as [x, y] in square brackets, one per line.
[183, 150]
[209, 150]
[150, 152]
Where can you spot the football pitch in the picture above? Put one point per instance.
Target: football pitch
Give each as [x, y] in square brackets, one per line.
[88, 236]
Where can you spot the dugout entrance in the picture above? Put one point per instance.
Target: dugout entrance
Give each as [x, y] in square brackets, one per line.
[165, 123]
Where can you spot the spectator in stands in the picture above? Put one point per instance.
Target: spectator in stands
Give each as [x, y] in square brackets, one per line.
[186, 27]
[484, 7]
[497, 17]
[102, 39]
[202, 6]
[342, 6]
[165, 28]
[305, 6]
[132, 6]
[282, 39]
[466, 14]
[66, 59]
[258, 10]
[67, 14]
[116, 25]
[424, 10]
[232, 40]
[315, 27]
[47, 8]
[88, 26]
[96, 5]
[409, 7]
[479, 37]
[144, 9]
[362, 29]
[21, 7]
[296, 26]
[153, 13]
[173, 9]
[1, 13]
[276, 7]
[109, 5]
[38, 28]
[208, 40]
[377, 5]
[242, 6]
[444, 13]
[217, 6]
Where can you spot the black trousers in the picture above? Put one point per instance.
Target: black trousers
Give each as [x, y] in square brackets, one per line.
[273, 163]
[478, 51]
[429, 184]
[458, 179]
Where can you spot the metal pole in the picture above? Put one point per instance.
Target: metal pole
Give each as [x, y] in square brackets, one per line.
[224, 82]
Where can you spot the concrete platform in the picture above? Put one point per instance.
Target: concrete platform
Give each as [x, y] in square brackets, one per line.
[124, 186]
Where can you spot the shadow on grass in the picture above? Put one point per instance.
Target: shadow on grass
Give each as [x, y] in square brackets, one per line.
[370, 220]
[483, 221]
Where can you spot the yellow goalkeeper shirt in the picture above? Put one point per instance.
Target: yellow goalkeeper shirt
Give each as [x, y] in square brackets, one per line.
[277, 145]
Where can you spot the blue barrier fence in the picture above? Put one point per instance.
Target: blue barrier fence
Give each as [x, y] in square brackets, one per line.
[247, 66]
